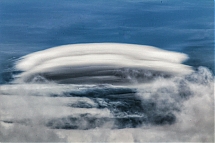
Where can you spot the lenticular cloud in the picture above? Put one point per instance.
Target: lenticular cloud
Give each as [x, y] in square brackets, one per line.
[99, 61]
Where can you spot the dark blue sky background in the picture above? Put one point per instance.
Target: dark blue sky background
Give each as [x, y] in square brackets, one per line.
[31, 25]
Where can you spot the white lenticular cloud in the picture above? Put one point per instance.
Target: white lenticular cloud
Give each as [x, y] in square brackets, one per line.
[134, 51]
[99, 60]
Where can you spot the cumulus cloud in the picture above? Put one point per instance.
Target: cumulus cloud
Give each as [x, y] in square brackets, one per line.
[24, 116]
